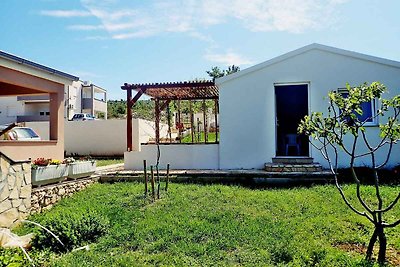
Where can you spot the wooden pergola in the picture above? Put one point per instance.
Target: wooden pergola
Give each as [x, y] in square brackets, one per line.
[163, 94]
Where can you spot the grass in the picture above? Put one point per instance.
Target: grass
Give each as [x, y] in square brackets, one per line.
[219, 225]
[210, 138]
[105, 162]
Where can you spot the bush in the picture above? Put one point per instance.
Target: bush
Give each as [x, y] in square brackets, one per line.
[12, 257]
[73, 230]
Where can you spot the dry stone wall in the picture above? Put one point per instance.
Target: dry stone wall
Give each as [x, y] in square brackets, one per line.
[43, 198]
[15, 190]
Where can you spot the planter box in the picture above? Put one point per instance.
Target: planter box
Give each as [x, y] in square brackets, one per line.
[81, 169]
[49, 174]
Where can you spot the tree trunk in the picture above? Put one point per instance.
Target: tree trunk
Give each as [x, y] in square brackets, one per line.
[371, 245]
[382, 246]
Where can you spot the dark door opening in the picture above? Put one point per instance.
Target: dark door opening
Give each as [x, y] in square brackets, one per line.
[291, 107]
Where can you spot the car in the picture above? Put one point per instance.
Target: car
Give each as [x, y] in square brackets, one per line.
[20, 134]
[83, 117]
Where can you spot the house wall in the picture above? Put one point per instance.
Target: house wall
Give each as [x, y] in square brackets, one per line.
[10, 108]
[179, 156]
[247, 106]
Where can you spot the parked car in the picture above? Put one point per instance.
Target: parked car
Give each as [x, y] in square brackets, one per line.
[20, 134]
[83, 117]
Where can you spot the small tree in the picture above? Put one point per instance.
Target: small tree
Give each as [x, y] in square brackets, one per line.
[343, 123]
[216, 72]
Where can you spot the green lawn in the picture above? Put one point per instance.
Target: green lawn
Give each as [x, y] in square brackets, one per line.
[210, 138]
[219, 225]
[105, 162]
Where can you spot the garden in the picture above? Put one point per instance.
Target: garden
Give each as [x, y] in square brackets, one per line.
[205, 225]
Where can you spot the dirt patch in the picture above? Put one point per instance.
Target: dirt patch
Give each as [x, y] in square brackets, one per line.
[392, 254]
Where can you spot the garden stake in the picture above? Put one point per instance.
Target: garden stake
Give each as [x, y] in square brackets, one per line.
[145, 177]
[166, 182]
[152, 182]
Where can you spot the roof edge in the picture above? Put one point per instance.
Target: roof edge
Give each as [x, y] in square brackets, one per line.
[32, 64]
[313, 46]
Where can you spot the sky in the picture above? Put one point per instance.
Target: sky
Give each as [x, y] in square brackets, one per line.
[111, 42]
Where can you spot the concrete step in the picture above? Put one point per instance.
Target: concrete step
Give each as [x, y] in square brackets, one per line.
[293, 160]
[305, 168]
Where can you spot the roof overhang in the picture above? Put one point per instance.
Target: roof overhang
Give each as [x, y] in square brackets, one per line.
[34, 65]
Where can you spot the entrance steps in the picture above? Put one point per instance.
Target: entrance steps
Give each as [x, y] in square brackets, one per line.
[296, 168]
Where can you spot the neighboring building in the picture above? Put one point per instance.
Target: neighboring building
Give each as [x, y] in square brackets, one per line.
[80, 97]
[85, 97]
[260, 107]
[21, 78]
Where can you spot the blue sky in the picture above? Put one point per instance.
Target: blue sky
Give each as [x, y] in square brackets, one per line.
[110, 42]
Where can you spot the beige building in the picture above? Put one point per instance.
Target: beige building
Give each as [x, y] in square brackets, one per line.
[79, 97]
[23, 78]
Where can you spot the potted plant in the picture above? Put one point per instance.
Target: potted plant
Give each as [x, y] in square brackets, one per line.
[83, 167]
[47, 171]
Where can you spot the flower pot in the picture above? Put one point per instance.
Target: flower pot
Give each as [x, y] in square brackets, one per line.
[43, 175]
[81, 169]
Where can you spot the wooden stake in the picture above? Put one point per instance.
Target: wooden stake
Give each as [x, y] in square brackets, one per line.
[145, 177]
[153, 193]
[167, 180]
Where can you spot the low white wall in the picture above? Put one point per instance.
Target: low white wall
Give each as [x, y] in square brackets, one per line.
[179, 156]
[101, 137]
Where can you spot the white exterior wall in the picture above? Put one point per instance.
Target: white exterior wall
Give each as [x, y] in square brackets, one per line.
[100, 137]
[10, 108]
[247, 103]
[201, 156]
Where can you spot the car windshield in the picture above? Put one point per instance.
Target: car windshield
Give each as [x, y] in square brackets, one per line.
[25, 133]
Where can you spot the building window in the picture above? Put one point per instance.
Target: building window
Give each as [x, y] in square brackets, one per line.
[41, 113]
[368, 110]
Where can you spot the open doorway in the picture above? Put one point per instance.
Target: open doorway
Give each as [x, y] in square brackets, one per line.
[291, 107]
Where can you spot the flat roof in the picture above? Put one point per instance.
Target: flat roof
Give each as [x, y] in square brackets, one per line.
[37, 66]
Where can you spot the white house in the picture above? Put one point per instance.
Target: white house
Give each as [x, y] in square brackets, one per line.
[262, 105]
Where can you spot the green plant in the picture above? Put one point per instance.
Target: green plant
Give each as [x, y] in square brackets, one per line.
[12, 257]
[73, 229]
[342, 130]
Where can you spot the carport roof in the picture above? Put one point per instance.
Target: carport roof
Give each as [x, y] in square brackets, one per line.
[37, 66]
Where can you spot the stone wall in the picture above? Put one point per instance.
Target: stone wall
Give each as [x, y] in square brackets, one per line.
[15, 190]
[43, 198]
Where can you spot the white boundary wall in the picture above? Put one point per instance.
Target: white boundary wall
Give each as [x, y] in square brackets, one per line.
[179, 156]
[100, 137]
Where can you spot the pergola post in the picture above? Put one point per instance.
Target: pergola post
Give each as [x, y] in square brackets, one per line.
[179, 121]
[157, 113]
[169, 123]
[129, 104]
[129, 119]
[191, 120]
[205, 122]
[216, 119]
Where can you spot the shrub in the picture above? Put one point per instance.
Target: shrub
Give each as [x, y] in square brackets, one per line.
[12, 257]
[73, 230]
